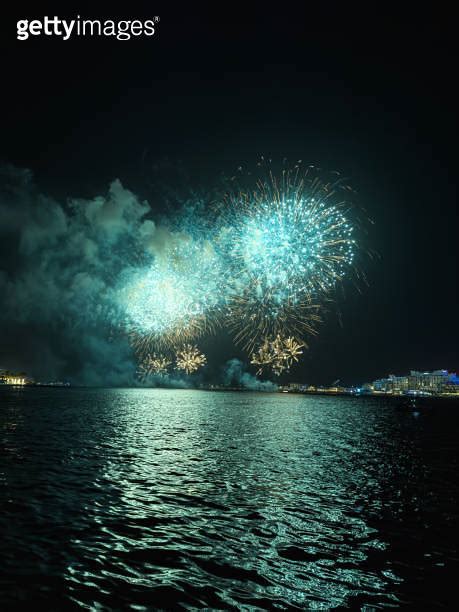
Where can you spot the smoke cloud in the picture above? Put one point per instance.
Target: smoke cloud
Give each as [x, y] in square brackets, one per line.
[234, 374]
[58, 268]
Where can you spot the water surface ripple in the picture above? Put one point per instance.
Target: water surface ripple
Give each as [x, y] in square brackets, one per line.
[143, 499]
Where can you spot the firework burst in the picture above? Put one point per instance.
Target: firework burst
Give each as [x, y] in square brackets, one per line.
[288, 243]
[277, 354]
[154, 365]
[175, 299]
[189, 359]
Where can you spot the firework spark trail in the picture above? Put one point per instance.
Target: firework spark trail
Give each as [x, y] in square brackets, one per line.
[190, 359]
[252, 318]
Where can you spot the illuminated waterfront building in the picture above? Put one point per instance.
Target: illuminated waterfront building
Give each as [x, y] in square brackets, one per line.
[14, 379]
[431, 383]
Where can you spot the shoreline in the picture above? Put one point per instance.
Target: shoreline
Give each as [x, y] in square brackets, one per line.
[406, 398]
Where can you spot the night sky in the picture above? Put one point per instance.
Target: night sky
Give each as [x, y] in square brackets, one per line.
[367, 92]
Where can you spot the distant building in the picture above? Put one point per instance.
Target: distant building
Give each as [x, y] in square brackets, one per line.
[293, 387]
[451, 386]
[391, 384]
[429, 383]
[14, 378]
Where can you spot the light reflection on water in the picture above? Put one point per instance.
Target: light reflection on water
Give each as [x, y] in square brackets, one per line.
[162, 498]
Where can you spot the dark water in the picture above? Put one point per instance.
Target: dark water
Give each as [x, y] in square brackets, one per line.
[144, 499]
